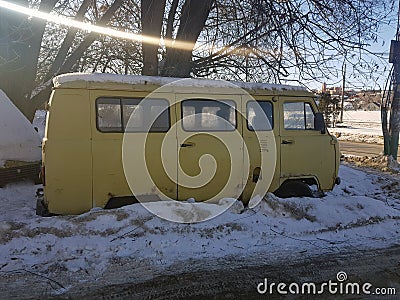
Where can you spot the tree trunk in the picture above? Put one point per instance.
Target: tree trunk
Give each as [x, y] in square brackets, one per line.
[11, 65]
[385, 131]
[90, 38]
[38, 26]
[394, 127]
[152, 13]
[43, 95]
[67, 43]
[20, 41]
[170, 22]
[178, 62]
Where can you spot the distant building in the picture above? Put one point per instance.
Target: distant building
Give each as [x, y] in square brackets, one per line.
[323, 88]
[331, 90]
[354, 99]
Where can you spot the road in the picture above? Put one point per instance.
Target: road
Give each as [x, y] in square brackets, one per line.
[361, 149]
[233, 280]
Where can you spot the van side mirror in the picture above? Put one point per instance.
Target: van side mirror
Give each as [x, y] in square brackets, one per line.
[319, 122]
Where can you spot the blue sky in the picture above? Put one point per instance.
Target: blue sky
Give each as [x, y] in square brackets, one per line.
[382, 47]
[356, 77]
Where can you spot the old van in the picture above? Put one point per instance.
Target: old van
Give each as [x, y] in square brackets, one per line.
[91, 115]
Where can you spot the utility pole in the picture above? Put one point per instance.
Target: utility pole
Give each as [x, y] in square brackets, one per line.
[343, 86]
[394, 123]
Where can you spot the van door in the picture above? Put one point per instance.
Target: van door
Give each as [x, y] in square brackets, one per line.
[259, 132]
[126, 148]
[305, 152]
[67, 152]
[210, 147]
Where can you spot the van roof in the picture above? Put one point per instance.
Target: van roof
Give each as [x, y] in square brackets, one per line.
[92, 80]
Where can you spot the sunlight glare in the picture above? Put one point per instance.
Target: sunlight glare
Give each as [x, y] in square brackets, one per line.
[33, 13]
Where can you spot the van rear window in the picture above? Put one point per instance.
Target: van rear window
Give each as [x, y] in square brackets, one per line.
[132, 115]
[109, 115]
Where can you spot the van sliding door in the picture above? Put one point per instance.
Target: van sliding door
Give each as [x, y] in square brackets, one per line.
[210, 147]
[127, 143]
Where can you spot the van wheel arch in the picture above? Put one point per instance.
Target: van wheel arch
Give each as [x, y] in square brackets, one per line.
[296, 188]
[117, 202]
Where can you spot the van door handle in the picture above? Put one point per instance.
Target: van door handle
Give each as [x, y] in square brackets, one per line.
[187, 145]
[287, 142]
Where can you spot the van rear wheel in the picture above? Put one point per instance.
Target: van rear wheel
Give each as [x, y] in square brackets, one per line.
[294, 188]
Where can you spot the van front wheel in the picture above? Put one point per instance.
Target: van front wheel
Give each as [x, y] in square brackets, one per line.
[293, 188]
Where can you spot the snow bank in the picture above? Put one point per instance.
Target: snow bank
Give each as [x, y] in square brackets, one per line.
[346, 134]
[361, 116]
[191, 212]
[380, 162]
[160, 81]
[360, 126]
[359, 213]
[18, 138]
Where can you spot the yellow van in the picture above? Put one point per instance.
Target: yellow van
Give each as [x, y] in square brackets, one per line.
[91, 117]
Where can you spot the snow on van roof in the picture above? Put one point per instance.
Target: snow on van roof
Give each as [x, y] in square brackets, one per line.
[160, 81]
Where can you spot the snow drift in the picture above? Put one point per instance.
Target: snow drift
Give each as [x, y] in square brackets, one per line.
[18, 138]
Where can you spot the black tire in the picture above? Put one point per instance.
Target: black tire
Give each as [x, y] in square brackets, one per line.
[294, 188]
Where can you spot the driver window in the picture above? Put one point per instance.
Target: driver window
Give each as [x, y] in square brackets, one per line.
[298, 116]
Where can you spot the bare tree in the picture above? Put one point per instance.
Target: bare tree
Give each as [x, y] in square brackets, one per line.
[390, 111]
[258, 40]
[274, 40]
[152, 13]
[268, 40]
[22, 41]
[178, 60]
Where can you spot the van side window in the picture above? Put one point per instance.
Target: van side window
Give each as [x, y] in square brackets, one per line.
[109, 115]
[298, 115]
[208, 115]
[142, 116]
[259, 115]
[132, 115]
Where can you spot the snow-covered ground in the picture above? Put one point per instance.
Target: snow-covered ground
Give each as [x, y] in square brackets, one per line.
[363, 212]
[360, 126]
